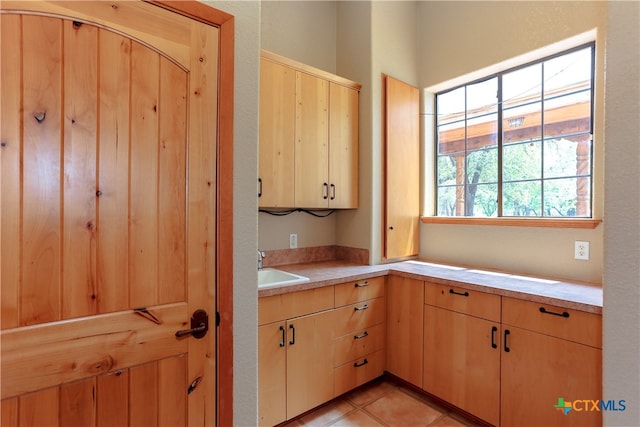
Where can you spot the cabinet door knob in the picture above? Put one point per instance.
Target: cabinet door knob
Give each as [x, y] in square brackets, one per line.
[364, 307]
[325, 190]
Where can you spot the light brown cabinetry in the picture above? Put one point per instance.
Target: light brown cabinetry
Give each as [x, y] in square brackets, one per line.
[277, 133]
[402, 169]
[294, 353]
[358, 350]
[462, 349]
[405, 306]
[316, 344]
[308, 145]
[548, 353]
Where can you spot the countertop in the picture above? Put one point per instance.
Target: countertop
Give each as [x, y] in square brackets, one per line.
[575, 295]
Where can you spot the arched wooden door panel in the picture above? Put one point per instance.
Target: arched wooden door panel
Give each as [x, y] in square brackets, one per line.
[108, 217]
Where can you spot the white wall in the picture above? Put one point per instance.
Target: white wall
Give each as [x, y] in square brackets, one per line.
[306, 32]
[458, 39]
[622, 218]
[245, 220]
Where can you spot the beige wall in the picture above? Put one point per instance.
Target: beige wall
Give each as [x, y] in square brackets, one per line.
[304, 31]
[621, 233]
[460, 38]
[622, 220]
[245, 217]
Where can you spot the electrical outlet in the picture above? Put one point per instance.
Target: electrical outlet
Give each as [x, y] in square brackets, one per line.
[581, 250]
[293, 241]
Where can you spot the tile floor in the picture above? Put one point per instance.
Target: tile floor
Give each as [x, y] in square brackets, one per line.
[381, 403]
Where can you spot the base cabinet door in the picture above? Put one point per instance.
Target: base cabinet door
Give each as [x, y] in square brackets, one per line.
[272, 368]
[295, 366]
[544, 376]
[309, 362]
[462, 361]
[405, 306]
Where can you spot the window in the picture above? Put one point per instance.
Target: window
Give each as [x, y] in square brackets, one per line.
[519, 143]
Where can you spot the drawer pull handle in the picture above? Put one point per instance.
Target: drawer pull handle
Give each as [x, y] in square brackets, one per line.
[506, 347]
[357, 365]
[362, 335]
[563, 314]
[462, 294]
[283, 336]
[293, 334]
[362, 285]
[493, 337]
[364, 307]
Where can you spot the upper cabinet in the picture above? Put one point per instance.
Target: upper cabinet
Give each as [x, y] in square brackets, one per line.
[308, 137]
[277, 133]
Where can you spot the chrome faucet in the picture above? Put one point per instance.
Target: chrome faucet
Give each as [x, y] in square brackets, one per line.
[260, 256]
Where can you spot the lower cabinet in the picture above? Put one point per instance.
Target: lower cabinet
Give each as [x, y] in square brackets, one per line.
[295, 366]
[462, 361]
[507, 361]
[551, 363]
[315, 345]
[461, 349]
[405, 306]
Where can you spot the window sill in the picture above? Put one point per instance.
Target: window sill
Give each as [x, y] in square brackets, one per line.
[514, 222]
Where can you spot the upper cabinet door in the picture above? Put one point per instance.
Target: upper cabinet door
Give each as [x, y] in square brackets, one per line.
[308, 137]
[277, 133]
[402, 169]
[343, 147]
[312, 142]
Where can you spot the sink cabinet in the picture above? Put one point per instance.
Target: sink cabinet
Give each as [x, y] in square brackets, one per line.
[295, 337]
[316, 344]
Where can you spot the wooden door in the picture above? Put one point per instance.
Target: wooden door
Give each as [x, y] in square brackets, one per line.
[277, 124]
[405, 307]
[108, 233]
[402, 169]
[343, 147]
[462, 361]
[539, 370]
[272, 373]
[312, 142]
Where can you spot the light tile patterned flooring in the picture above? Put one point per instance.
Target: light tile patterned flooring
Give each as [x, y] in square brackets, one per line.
[381, 403]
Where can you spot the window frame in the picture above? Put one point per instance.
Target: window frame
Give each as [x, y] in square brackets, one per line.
[500, 219]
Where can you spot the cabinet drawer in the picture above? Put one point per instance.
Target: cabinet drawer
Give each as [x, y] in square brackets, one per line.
[359, 290]
[474, 303]
[356, 317]
[568, 324]
[294, 304]
[357, 372]
[355, 345]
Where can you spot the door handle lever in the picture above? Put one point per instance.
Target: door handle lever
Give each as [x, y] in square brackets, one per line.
[199, 325]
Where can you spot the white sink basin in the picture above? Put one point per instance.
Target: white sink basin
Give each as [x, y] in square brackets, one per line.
[273, 278]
